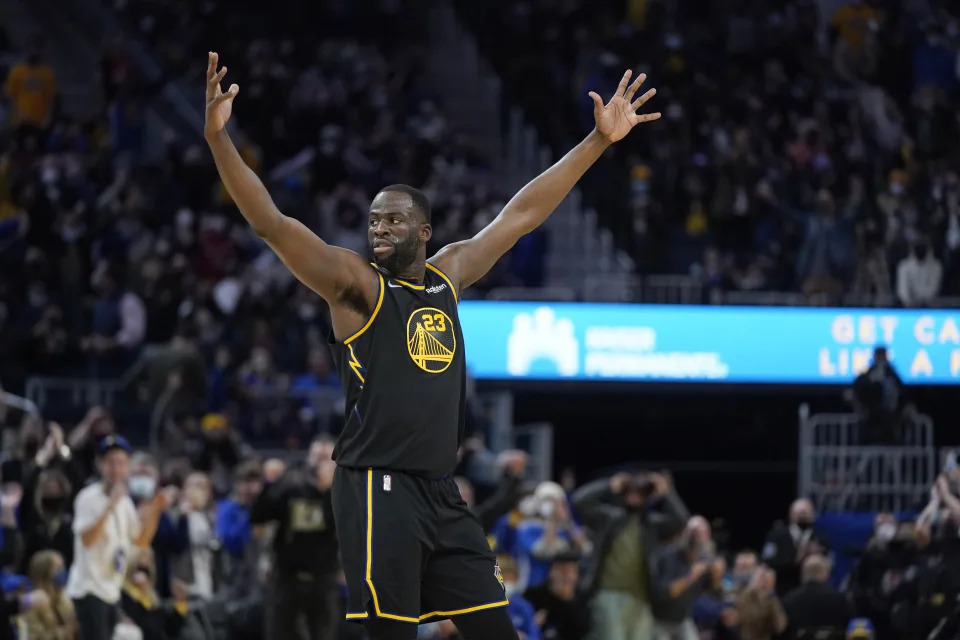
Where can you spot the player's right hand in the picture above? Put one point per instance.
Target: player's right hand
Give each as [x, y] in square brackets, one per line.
[219, 104]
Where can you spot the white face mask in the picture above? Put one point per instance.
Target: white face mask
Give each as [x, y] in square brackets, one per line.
[142, 487]
[886, 532]
[510, 589]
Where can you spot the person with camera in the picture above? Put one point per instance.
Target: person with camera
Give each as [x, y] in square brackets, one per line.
[106, 529]
[547, 533]
[682, 573]
[306, 587]
[760, 613]
[631, 516]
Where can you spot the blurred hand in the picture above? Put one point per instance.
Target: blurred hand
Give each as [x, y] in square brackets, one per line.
[619, 482]
[117, 492]
[219, 104]
[730, 617]
[179, 590]
[942, 486]
[661, 483]
[698, 569]
[11, 496]
[540, 618]
[38, 598]
[514, 462]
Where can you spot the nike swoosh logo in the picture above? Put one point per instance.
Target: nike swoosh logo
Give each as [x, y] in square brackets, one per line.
[394, 286]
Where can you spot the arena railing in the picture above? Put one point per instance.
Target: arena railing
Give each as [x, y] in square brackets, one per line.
[840, 474]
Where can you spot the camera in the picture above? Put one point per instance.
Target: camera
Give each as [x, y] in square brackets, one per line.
[642, 484]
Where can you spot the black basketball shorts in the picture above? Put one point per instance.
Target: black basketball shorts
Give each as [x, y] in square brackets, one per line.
[411, 549]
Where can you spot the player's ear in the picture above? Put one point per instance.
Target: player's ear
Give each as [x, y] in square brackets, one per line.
[426, 232]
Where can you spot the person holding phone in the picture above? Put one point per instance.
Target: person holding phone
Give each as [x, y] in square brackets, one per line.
[106, 528]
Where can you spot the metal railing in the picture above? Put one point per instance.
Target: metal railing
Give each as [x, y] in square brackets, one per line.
[840, 474]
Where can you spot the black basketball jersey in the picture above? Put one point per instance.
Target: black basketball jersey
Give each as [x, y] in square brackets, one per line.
[404, 377]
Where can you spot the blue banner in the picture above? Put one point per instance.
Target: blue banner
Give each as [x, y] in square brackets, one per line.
[785, 345]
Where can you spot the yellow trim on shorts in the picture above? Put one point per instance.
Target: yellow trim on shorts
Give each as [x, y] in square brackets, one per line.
[357, 616]
[369, 579]
[459, 612]
[445, 278]
[373, 315]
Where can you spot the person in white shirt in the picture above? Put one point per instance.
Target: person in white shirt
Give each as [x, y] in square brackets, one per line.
[106, 527]
[919, 276]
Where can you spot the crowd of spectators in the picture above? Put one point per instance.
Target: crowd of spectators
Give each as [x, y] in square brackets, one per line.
[806, 146]
[110, 542]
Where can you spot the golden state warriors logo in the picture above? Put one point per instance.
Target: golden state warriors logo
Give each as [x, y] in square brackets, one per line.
[499, 575]
[431, 341]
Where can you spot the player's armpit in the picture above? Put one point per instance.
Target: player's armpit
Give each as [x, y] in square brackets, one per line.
[467, 261]
[339, 276]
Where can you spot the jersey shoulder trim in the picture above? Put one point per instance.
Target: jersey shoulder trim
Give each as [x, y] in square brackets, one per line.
[445, 279]
[376, 310]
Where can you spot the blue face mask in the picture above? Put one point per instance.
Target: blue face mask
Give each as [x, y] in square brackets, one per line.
[60, 578]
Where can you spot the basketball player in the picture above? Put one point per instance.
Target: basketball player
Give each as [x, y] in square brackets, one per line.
[411, 550]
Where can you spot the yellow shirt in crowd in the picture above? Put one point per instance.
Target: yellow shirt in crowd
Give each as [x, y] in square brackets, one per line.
[31, 88]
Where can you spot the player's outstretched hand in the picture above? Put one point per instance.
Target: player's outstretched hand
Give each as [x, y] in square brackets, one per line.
[615, 119]
[219, 104]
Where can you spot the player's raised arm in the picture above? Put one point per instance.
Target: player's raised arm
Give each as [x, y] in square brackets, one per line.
[468, 261]
[330, 271]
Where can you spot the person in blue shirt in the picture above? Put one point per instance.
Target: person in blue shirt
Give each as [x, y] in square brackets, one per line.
[521, 612]
[550, 533]
[233, 513]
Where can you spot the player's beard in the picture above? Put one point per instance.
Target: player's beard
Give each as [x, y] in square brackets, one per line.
[404, 254]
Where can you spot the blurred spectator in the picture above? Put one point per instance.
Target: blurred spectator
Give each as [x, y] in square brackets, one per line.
[233, 513]
[119, 323]
[882, 573]
[48, 524]
[561, 613]
[141, 604]
[877, 397]
[506, 495]
[305, 586]
[919, 276]
[787, 547]
[216, 451]
[195, 564]
[521, 611]
[50, 617]
[106, 529]
[548, 532]
[627, 535]
[760, 614]
[85, 438]
[31, 88]
[815, 607]
[684, 572]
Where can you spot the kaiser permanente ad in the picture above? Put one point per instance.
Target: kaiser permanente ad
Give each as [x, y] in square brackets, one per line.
[536, 341]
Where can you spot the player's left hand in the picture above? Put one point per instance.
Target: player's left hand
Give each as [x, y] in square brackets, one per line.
[615, 119]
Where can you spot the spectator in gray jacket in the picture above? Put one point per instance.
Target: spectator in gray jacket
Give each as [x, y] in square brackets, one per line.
[630, 516]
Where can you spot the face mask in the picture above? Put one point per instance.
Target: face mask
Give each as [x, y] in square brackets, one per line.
[53, 504]
[60, 578]
[804, 524]
[140, 576]
[921, 252]
[886, 532]
[510, 589]
[142, 487]
[546, 510]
